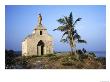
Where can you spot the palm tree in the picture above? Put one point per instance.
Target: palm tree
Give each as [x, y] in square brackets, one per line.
[70, 34]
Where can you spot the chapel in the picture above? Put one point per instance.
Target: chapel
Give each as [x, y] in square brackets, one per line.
[39, 42]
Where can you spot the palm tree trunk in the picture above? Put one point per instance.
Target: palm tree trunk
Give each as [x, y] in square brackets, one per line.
[71, 41]
[72, 51]
[75, 50]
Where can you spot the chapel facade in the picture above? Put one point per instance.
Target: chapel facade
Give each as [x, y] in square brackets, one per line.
[39, 42]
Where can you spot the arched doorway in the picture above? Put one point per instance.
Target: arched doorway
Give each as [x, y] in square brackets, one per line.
[40, 48]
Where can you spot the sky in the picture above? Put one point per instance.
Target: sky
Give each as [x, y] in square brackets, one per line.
[21, 20]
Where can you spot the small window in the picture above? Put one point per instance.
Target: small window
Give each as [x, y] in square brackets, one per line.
[40, 32]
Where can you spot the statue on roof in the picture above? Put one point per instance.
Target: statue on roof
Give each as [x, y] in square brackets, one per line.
[39, 19]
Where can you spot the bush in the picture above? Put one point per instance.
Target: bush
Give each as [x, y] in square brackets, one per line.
[82, 56]
[92, 54]
[79, 52]
[10, 58]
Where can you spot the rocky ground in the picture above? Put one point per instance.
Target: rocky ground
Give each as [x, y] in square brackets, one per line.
[62, 61]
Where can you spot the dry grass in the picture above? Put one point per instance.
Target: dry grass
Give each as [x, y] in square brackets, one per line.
[59, 62]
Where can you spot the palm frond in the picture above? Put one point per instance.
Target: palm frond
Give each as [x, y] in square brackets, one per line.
[74, 32]
[60, 28]
[81, 41]
[76, 36]
[70, 19]
[61, 21]
[79, 19]
[66, 19]
[64, 40]
[65, 33]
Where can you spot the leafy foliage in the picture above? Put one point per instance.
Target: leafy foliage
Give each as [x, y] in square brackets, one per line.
[92, 54]
[70, 34]
[10, 58]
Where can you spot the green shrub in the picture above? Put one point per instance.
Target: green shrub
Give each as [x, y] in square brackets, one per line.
[82, 56]
[10, 57]
[92, 54]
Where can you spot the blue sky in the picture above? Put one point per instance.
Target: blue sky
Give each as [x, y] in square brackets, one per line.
[21, 20]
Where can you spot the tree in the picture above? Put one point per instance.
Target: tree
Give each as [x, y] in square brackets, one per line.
[9, 58]
[70, 34]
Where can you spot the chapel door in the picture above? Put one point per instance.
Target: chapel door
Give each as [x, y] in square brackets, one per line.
[40, 48]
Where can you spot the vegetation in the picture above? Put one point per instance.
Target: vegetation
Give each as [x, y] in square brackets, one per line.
[54, 61]
[10, 56]
[102, 60]
[70, 34]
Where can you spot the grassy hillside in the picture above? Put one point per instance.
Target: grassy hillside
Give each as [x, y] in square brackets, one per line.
[55, 61]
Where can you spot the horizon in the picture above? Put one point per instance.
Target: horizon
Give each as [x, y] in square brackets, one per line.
[21, 20]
